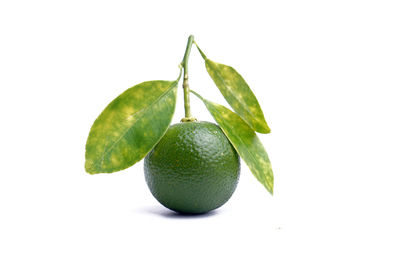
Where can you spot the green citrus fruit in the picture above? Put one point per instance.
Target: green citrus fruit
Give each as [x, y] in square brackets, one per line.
[193, 169]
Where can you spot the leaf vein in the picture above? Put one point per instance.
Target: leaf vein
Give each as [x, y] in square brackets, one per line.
[108, 151]
[244, 106]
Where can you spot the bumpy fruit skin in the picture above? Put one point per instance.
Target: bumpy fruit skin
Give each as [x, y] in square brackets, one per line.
[193, 169]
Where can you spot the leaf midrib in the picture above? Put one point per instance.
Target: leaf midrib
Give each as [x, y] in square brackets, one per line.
[108, 151]
[239, 138]
[220, 77]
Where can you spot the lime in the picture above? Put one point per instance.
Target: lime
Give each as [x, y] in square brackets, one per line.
[193, 169]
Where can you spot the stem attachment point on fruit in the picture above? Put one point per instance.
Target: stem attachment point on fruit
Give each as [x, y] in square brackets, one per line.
[191, 119]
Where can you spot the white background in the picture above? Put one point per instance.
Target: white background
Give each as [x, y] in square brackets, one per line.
[326, 74]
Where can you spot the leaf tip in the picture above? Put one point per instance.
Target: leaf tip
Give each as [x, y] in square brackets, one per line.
[270, 186]
[263, 129]
[89, 168]
[91, 172]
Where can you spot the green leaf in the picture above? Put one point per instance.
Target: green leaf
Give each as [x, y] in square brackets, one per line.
[238, 94]
[130, 126]
[245, 141]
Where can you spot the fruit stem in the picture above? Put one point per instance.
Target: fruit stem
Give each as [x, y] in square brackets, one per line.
[186, 89]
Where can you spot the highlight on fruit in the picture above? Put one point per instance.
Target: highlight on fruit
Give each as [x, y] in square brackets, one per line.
[192, 166]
